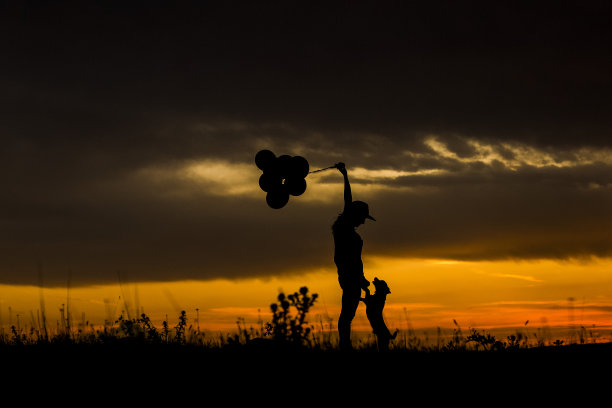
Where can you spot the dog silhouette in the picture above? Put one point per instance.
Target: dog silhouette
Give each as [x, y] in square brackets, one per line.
[374, 311]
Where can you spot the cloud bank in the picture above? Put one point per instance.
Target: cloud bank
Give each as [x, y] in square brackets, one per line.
[128, 135]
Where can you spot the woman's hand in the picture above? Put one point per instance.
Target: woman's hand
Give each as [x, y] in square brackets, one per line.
[341, 167]
[364, 284]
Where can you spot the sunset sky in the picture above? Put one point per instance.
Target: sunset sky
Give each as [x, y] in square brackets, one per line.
[478, 132]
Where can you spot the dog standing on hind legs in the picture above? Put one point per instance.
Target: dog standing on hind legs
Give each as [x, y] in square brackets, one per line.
[374, 311]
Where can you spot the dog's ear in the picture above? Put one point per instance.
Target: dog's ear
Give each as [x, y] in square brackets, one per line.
[375, 279]
[386, 287]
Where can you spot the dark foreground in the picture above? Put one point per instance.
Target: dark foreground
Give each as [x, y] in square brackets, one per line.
[172, 370]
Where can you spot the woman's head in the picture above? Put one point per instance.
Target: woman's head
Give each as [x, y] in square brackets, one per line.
[357, 213]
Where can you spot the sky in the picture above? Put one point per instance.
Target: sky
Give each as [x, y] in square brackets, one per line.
[478, 132]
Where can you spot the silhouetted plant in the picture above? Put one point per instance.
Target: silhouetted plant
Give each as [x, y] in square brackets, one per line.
[324, 338]
[180, 327]
[487, 341]
[165, 331]
[244, 334]
[289, 325]
[126, 326]
[151, 332]
[141, 329]
[288, 328]
[457, 341]
[17, 339]
[514, 342]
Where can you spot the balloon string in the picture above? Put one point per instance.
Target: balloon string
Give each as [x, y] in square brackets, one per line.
[327, 168]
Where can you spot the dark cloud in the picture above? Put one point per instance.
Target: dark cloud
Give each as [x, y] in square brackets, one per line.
[518, 71]
[500, 215]
[104, 104]
[157, 227]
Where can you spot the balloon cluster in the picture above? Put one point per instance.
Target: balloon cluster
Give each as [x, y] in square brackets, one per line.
[282, 176]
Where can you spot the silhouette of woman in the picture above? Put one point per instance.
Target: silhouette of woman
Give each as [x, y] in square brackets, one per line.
[347, 257]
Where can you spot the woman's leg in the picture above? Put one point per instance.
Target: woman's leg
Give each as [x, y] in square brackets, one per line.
[350, 301]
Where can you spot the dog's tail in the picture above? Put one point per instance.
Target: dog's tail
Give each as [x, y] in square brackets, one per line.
[394, 334]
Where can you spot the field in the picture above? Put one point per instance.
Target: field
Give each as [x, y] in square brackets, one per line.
[288, 327]
[290, 356]
[136, 369]
[244, 372]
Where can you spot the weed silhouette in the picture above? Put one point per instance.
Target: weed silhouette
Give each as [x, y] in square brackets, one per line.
[486, 340]
[286, 327]
[180, 328]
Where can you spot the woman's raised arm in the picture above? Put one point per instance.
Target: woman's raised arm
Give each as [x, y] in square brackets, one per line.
[348, 197]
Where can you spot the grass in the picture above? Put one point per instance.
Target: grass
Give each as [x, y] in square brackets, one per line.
[288, 356]
[287, 329]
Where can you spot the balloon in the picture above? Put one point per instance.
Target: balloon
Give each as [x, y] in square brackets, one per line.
[283, 165]
[264, 159]
[269, 182]
[295, 186]
[282, 176]
[277, 198]
[298, 167]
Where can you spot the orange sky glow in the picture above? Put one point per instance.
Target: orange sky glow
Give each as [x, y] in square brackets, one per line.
[425, 294]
